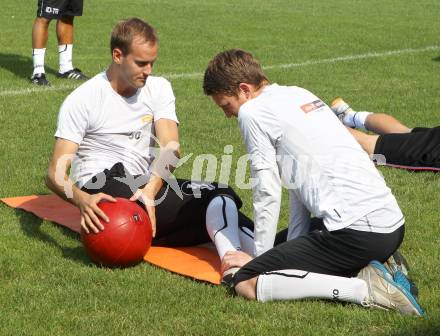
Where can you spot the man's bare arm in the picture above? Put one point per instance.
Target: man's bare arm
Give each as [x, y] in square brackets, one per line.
[59, 182]
[163, 165]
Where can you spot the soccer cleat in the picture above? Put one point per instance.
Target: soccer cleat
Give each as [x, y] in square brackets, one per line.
[340, 108]
[73, 74]
[398, 267]
[386, 293]
[228, 276]
[39, 79]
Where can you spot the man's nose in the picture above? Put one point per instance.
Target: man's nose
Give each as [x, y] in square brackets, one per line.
[148, 69]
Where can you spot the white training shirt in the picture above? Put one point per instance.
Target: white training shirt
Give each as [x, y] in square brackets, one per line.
[295, 140]
[110, 128]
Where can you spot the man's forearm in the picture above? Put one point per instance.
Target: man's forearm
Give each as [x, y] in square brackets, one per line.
[299, 218]
[167, 160]
[67, 191]
[266, 202]
[155, 183]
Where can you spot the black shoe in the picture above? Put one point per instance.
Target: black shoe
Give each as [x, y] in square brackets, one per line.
[73, 74]
[39, 79]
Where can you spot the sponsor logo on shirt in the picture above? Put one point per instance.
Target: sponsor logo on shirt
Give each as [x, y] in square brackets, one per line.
[317, 104]
[147, 119]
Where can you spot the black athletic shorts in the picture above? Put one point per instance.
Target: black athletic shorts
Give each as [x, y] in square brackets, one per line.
[420, 148]
[56, 9]
[180, 219]
[342, 253]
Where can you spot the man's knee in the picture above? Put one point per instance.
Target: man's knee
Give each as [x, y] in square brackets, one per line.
[66, 20]
[42, 21]
[247, 288]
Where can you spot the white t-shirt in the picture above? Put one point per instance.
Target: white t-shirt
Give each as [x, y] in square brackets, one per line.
[295, 140]
[110, 128]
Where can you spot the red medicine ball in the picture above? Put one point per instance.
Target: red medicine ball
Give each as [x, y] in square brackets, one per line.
[125, 239]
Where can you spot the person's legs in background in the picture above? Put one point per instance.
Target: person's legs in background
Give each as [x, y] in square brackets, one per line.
[39, 41]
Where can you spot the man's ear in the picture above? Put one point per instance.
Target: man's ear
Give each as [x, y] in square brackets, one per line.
[246, 89]
[117, 55]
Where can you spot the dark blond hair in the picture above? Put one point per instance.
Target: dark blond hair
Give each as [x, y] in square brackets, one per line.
[126, 31]
[228, 69]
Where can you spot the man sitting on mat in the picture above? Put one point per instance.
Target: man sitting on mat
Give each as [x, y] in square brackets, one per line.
[415, 149]
[106, 132]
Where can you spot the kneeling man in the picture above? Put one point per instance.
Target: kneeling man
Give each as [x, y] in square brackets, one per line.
[294, 139]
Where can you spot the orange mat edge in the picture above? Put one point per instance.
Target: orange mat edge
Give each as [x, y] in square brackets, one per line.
[204, 259]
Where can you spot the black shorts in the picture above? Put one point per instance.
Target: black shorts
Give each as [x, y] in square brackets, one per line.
[180, 216]
[342, 253]
[420, 148]
[56, 9]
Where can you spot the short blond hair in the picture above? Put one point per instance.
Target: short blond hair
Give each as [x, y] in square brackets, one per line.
[126, 31]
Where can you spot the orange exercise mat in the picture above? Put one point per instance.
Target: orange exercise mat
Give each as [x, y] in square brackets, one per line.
[198, 262]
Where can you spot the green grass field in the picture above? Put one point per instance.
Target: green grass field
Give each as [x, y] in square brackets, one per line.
[378, 55]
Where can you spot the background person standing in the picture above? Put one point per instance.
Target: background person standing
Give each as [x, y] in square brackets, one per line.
[64, 12]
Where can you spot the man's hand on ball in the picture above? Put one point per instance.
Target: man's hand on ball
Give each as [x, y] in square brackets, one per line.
[90, 212]
[147, 196]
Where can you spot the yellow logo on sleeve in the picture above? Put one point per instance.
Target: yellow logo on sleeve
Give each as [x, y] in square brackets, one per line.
[147, 119]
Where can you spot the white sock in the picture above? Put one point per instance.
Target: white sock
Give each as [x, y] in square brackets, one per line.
[38, 59]
[222, 224]
[65, 52]
[296, 284]
[356, 119]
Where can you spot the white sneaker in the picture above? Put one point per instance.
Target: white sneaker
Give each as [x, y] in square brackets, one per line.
[340, 108]
[397, 262]
[398, 267]
[385, 293]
